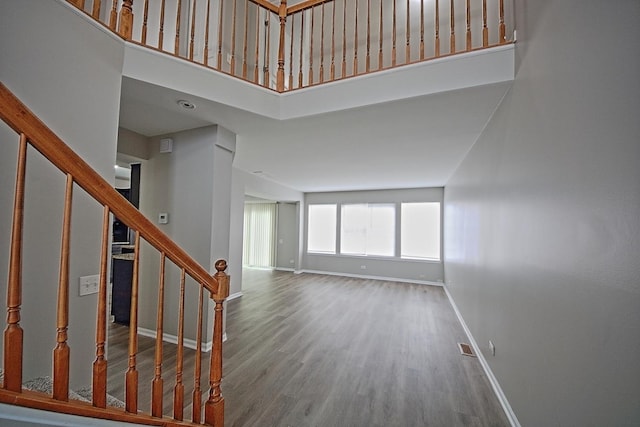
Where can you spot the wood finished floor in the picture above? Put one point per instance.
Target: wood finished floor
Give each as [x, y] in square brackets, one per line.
[315, 350]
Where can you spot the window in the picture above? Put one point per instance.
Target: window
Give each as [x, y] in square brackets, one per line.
[321, 236]
[368, 229]
[420, 230]
[396, 230]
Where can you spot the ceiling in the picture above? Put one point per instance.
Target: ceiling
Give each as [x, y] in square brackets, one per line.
[408, 143]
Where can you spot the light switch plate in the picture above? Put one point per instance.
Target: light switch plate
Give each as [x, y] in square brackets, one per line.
[89, 285]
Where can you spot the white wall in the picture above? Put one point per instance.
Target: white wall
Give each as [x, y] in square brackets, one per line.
[392, 268]
[542, 234]
[52, 60]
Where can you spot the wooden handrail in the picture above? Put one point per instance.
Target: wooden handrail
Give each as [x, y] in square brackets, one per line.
[22, 120]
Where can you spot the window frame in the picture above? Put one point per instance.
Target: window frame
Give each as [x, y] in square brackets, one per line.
[369, 207]
[397, 254]
[336, 225]
[438, 233]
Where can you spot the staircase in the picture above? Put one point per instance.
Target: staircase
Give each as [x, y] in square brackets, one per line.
[53, 393]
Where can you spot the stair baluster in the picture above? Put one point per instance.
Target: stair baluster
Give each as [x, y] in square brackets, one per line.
[62, 351]
[13, 334]
[178, 390]
[100, 364]
[197, 392]
[131, 376]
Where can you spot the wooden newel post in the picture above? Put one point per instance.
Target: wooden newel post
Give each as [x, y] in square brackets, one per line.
[125, 25]
[282, 13]
[214, 407]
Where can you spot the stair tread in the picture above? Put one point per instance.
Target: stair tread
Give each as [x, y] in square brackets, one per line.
[45, 385]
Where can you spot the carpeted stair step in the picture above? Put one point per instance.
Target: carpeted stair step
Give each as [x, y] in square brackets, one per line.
[45, 385]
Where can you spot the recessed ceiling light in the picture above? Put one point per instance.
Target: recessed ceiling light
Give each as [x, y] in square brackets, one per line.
[186, 104]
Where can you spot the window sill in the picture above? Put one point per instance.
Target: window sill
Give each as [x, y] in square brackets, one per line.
[376, 258]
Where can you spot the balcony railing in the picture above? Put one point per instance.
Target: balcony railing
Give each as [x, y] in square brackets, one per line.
[285, 47]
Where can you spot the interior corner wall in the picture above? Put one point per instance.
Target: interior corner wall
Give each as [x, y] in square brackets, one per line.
[59, 65]
[178, 183]
[287, 236]
[132, 144]
[541, 220]
[244, 183]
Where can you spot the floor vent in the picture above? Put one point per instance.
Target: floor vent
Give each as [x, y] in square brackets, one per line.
[466, 349]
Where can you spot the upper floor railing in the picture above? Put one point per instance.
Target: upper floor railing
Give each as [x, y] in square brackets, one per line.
[285, 47]
[31, 132]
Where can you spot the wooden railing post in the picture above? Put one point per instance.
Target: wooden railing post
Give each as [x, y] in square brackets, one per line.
[196, 401]
[282, 14]
[13, 334]
[145, 19]
[113, 15]
[125, 24]
[452, 26]
[95, 12]
[178, 390]
[436, 26]
[100, 364]
[501, 26]
[61, 353]
[131, 376]
[214, 407]
[77, 3]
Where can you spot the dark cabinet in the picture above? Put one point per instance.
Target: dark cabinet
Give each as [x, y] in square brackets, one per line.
[122, 274]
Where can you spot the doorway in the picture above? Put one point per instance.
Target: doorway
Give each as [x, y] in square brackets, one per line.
[258, 242]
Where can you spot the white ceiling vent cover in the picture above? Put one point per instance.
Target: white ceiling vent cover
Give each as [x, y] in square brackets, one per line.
[166, 145]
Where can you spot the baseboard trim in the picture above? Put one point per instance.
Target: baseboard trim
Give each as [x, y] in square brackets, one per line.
[234, 296]
[285, 269]
[189, 343]
[362, 276]
[511, 416]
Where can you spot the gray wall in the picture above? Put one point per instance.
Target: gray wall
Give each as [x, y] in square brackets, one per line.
[53, 78]
[396, 268]
[287, 236]
[132, 146]
[191, 184]
[244, 183]
[542, 235]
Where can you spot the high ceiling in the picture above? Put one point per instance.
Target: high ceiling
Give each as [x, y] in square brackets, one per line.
[413, 142]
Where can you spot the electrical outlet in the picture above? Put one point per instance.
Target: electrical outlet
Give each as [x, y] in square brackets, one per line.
[89, 285]
[363, 267]
[492, 348]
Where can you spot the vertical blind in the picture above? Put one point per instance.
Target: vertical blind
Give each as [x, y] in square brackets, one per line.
[259, 234]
